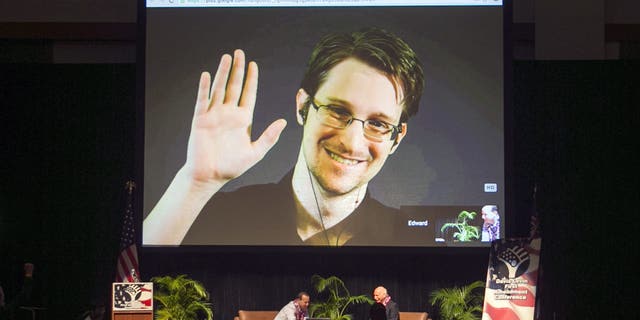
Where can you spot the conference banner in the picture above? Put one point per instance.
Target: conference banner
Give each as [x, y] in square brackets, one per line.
[512, 277]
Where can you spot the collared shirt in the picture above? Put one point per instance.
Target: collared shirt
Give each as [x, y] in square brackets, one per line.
[491, 231]
[291, 311]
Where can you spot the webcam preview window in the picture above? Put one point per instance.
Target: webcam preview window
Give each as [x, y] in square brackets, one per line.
[336, 125]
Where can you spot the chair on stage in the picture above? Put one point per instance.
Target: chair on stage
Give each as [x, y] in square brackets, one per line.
[414, 316]
[255, 315]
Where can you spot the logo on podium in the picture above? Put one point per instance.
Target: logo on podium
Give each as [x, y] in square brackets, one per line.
[131, 296]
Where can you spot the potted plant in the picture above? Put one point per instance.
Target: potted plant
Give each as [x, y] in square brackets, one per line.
[464, 231]
[180, 298]
[338, 300]
[459, 303]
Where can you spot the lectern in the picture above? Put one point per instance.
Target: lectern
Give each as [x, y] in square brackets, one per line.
[132, 301]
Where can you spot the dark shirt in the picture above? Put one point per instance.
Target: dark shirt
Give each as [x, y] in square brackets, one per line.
[391, 310]
[377, 312]
[265, 214]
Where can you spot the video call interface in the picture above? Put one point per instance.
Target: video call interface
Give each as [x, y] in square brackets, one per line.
[447, 176]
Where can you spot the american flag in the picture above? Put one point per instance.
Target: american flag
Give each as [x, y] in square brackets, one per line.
[127, 267]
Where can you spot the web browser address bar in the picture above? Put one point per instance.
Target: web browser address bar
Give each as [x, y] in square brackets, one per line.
[316, 3]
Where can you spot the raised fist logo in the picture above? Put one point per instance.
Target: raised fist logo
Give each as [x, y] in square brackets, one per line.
[510, 261]
[513, 258]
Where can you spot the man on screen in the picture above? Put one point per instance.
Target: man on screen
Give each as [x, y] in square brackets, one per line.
[354, 102]
[491, 223]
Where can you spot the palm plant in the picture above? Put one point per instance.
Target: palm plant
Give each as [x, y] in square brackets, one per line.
[459, 303]
[465, 232]
[180, 298]
[338, 300]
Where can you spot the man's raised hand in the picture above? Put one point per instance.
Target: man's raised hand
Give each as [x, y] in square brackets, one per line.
[220, 149]
[220, 146]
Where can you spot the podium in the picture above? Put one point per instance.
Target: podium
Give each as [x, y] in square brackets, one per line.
[132, 301]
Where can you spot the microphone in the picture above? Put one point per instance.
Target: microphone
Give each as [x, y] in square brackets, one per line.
[134, 276]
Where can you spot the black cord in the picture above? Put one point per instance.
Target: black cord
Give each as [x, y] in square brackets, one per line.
[324, 229]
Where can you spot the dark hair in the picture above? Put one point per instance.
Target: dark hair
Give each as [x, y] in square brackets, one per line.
[302, 293]
[377, 48]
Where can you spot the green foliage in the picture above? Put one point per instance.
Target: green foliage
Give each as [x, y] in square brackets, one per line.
[338, 300]
[464, 231]
[180, 298]
[459, 303]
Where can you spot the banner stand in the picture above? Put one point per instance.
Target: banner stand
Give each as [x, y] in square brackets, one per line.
[512, 278]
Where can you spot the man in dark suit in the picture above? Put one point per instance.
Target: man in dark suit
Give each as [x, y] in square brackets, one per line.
[383, 298]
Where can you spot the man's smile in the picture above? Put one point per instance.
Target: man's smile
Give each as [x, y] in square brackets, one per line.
[342, 159]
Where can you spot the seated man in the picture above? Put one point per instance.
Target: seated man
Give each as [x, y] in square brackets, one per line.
[381, 297]
[296, 309]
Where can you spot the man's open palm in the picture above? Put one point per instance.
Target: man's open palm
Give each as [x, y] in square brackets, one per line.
[220, 146]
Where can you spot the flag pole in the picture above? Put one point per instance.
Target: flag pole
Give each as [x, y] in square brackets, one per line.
[127, 269]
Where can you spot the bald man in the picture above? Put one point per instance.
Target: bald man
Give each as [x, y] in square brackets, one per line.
[383, 298]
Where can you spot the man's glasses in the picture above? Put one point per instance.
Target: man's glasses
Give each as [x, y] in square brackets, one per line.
[340, 118]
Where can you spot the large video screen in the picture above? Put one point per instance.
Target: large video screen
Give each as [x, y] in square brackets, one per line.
[323, 123]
